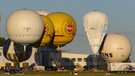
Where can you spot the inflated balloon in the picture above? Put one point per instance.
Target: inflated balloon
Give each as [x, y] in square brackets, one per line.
[95, 23]
[43, 12]
[47, 34]
[64, 26]
[116, 48]
[15, 52]
[24, 26]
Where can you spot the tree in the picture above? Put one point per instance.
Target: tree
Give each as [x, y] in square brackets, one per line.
[2, 41]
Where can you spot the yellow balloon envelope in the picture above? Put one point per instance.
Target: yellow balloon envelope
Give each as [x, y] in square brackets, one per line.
[64, 26]
[48, 32]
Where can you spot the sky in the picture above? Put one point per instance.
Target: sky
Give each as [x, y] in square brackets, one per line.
[120, 13]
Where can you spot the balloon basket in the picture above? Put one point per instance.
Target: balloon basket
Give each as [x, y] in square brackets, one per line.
[94, 69]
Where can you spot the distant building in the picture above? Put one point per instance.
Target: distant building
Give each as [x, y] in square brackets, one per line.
[85, 60]
[68, 61]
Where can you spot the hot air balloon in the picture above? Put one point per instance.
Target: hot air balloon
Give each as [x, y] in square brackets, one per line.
[64, 26]
[95, 24]
[48, 32]
[116, 48]
[24, 26]
[15, 52]
[43, 12]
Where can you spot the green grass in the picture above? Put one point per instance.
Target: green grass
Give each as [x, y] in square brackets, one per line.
[67, 73]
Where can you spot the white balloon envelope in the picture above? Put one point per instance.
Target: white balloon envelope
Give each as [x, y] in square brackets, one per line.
[24, 26]
[43, 12]
[116, 48]
[95, 24]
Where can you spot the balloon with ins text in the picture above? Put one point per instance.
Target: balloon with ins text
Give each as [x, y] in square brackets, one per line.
[95, 24]
[115, 48]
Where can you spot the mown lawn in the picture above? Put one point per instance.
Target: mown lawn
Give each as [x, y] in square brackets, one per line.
[67, 73]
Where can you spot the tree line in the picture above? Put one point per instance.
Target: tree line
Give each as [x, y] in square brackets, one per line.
[2, 41]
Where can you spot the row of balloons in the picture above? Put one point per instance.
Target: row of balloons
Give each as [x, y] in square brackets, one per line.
[113, 47]
[27, 26]
[40, 28]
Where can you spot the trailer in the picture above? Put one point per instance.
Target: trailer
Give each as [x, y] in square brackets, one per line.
[121, 67]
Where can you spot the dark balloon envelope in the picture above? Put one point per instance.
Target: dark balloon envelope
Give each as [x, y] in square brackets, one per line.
[15, 52]
[46, 55]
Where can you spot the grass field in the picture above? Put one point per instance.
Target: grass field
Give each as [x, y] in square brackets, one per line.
[67, 73]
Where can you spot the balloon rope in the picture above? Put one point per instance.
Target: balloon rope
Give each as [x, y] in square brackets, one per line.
[24, 47]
